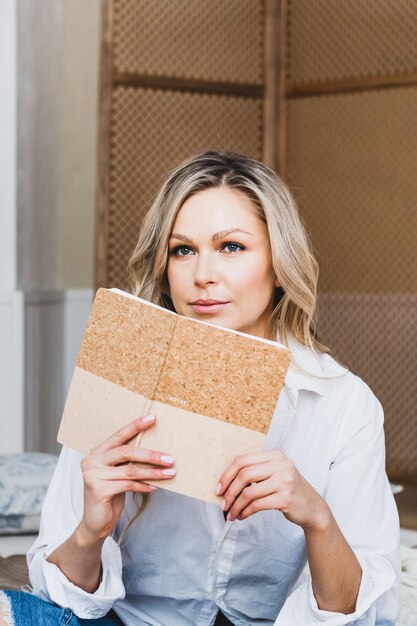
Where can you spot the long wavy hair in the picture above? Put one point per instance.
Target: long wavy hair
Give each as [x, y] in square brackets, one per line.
[294, 302]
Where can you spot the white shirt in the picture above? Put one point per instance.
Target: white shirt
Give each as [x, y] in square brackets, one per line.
[182, 562]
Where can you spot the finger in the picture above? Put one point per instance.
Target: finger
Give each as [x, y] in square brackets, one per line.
[125, 434]
[134, 472]
[128, 453]
[252, 458]
[250, 494]
[246, 476]
[268, 503]
[113, 488]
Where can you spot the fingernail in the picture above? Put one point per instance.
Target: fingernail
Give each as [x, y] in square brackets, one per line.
[152, 488]
[218, 488]
[165, 458]
[169, 472]
[229, 517]
[223, 505]
[148, 418]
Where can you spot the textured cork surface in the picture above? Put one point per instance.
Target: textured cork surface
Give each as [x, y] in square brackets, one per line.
[221, 374]
[182, 363]
[126, 342]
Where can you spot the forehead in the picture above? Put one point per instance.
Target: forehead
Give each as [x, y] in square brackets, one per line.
[216, 209]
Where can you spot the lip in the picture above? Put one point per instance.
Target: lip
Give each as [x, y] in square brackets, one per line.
[208, 302]
[208, 307]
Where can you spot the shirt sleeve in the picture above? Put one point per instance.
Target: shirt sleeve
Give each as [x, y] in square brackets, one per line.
[360, 498]
[62, 511]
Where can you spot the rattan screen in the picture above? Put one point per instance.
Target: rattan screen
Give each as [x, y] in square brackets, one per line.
[151, 131]
[195, 39]
[352, 160]
[375, 336]
[355, 159]
[334, 40]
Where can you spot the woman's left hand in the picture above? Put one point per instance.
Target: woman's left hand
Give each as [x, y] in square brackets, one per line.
[269, 480]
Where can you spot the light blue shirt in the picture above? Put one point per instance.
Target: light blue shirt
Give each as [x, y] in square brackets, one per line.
[180, 561]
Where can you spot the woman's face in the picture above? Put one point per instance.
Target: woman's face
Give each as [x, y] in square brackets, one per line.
[219, 265]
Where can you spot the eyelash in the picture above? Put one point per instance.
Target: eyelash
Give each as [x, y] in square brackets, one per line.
[175, 251]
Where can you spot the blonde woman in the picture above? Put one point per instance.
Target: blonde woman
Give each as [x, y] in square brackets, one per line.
[223, 243]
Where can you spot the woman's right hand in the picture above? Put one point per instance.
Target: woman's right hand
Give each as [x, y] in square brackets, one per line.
[108, 474]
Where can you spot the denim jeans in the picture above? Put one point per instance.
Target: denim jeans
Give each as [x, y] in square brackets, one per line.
[21, 608]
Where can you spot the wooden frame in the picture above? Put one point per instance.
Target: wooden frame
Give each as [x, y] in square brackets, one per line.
[275, 90]
[352, 85]
[103, 145]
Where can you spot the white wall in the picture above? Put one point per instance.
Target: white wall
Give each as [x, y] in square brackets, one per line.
[11, 300]
[39, 54]
[8, 144]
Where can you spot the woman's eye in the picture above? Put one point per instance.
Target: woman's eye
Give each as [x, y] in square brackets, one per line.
[181, 251]
[233, 247]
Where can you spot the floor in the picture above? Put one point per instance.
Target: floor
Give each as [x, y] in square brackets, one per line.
[13, 572]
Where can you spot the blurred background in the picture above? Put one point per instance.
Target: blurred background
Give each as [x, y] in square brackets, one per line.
[100, 98]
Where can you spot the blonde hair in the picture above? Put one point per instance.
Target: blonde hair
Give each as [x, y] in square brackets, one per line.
[294, 304]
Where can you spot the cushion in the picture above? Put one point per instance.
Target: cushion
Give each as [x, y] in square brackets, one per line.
[24, 479]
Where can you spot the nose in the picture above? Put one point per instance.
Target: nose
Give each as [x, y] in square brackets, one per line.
[205, 271]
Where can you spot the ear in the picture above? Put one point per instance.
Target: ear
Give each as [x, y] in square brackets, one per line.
[277, 283]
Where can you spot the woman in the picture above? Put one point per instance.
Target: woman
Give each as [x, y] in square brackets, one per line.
[223, 243]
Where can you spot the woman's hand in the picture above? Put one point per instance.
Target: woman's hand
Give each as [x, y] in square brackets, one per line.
[108, 474]
[268, 480]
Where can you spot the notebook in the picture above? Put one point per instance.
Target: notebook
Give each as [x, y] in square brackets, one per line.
[213, 390]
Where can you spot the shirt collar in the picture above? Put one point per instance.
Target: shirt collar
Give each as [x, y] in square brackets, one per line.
[306, 370]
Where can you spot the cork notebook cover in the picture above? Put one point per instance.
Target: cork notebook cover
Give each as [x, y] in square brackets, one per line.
[213, 390]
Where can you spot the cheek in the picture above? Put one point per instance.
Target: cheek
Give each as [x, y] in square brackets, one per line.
[176, 279]
[256, 276]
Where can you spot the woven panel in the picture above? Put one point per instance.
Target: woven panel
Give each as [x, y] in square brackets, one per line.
[375, 335]
[352, 162]
[151, 131]
[342, 39]
[195, 39]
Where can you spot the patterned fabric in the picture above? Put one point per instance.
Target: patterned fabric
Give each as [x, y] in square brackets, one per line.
[24, 479]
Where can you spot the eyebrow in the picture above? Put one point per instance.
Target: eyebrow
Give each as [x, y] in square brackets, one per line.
[216, 236]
